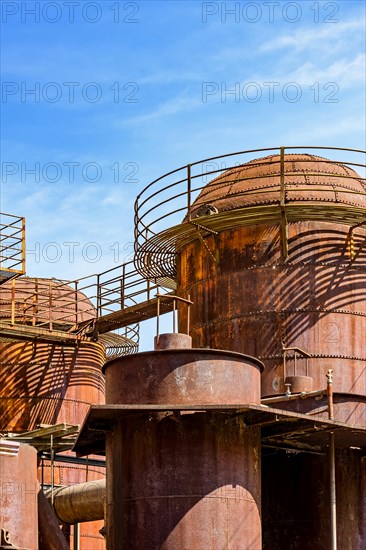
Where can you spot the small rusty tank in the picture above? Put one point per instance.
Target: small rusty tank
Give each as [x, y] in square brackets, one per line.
[186, 480]
[50, 382]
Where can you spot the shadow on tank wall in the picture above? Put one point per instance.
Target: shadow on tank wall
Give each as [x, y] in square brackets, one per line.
[42, 383]
[254, 301]
[295, 500]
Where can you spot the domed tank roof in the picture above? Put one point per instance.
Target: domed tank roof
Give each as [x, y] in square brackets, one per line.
[43, 300]
[307, 178]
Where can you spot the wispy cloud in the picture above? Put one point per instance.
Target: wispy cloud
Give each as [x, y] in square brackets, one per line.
[345, 72]
[171, 107]
[310, 38]
[170, 77]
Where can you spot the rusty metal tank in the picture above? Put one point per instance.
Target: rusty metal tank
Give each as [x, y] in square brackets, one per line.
[51, 382]
[283, 266]
[299, 281]
[186, 480]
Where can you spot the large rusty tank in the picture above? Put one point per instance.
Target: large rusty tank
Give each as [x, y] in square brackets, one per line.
[272, 253]
[297, 281]
[45, 383]
[261, 288]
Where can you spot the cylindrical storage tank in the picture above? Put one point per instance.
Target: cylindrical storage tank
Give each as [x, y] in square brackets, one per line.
[51, 383]
[255, 300]
[289, 274]
[189, 479]
[185, 376]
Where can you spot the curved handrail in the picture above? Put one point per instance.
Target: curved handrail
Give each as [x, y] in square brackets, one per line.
[163, 209]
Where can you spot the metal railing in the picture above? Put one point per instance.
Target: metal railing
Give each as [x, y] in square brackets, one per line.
[46, 303]
[122, 287]
[12, 245]
[166, 211]
[75, 307]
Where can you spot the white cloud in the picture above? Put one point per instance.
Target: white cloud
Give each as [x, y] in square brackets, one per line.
[344, 72]
[312, 37]
[171, 107]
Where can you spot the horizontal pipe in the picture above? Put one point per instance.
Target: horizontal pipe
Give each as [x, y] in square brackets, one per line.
[79, 503]
[293, 396]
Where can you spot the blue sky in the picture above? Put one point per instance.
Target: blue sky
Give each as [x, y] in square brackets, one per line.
[141, 90]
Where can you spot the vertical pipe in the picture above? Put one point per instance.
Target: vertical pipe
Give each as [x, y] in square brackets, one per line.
[332, 477]
[333, 501]
[174, 306]
[330, 394]
[157, 319]
[76, 536]
[284, 364]
[52, 472]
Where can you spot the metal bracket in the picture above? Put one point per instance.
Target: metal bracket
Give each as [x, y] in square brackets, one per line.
[175, 300]
[214, 256]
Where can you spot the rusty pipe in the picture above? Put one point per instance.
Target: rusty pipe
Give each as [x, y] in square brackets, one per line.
[332, 478]
[293, 396]
[332, 491]
[330, 394]
[79, 503]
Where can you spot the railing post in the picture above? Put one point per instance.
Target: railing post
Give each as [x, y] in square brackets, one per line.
[122, 286]
[148, 259]
[50, 307]
[35, 303]
[148, 290]
[99, 297]
[189, 191]
[76, 303]
[13, 302]
[23, 245]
